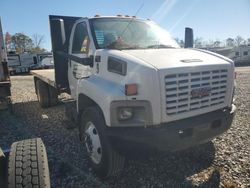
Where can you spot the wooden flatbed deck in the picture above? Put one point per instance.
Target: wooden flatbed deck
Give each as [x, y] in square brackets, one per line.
[46, 75]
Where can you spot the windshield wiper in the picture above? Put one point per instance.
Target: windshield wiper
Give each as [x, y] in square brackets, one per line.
[131, 48]
[122, 48]
[160, 46]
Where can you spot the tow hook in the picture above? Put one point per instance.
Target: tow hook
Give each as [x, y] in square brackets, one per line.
[233, 109]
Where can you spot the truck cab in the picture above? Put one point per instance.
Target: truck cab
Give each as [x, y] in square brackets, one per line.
[134, 87]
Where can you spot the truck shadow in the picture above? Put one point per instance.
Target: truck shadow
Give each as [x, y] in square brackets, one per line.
[141, 170]
[171, 169]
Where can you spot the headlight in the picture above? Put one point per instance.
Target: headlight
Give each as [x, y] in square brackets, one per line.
[132, 113]
[125, 113]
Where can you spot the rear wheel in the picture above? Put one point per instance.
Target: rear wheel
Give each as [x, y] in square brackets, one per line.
[103, 158]
[12, 73]
[10, 106]
[53, 96]
[42, 93]
[28, 165]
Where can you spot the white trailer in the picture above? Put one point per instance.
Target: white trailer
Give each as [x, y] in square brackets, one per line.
[133, 87]
[241, 55]
[21, 63]
[44, 61]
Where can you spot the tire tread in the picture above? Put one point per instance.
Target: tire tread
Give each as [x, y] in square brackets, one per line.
[28, 165]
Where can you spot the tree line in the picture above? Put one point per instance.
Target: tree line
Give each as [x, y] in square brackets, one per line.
[20, 43]
[199, 42]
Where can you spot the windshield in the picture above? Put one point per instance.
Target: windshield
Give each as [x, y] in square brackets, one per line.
[120, 33]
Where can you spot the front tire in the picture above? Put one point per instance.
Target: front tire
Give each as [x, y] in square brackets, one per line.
[103, 158]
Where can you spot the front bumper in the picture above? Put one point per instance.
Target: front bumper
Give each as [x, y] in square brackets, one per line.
[175, 135]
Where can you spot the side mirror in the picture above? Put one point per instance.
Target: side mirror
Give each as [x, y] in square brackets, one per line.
[57, 27]
[189, 38]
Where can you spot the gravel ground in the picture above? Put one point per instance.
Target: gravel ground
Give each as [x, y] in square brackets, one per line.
[224, 162]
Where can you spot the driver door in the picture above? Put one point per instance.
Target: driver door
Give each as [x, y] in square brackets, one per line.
[79, 48]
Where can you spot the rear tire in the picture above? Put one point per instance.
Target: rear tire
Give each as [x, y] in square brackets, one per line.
[10, 106]
[12, 73]
[28, 165]
[53, 96]
[110, 162]
[42, 93]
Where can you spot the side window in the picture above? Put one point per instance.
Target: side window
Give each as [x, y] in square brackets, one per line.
[245, 53]
[80, 39]
[237, 53]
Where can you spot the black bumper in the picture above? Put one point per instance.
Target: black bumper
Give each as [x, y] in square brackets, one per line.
[175, 135]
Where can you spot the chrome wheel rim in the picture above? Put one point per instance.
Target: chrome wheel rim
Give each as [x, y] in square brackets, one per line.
[92, 143]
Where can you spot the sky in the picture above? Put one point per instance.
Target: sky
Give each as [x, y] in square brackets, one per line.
[210, 19]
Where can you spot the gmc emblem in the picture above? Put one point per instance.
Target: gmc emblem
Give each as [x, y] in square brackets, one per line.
[201, 92]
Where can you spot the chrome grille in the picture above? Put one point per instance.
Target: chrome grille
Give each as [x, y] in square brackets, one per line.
[179, 87]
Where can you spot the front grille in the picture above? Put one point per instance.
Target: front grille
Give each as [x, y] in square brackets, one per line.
[179, 87]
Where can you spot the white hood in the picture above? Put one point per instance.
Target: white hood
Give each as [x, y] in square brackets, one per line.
[171, 58]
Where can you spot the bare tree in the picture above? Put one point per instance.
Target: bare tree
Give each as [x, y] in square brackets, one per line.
[21, 42]
[8, 41]
[238, 40]
[198, 42]
[217, 43]
[210, 43]
[37, 40]
[230, 42]
[180, 42]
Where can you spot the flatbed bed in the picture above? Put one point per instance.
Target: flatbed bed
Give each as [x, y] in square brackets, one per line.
[4, 82]
[46, 75]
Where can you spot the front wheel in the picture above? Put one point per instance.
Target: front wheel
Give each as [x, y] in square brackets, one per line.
[103, 158]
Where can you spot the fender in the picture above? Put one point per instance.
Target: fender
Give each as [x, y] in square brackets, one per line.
[102, 91]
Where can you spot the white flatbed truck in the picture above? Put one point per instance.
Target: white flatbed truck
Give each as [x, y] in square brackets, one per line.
[133, 87]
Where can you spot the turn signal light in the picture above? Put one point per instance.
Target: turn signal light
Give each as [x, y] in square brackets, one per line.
[131, 89]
